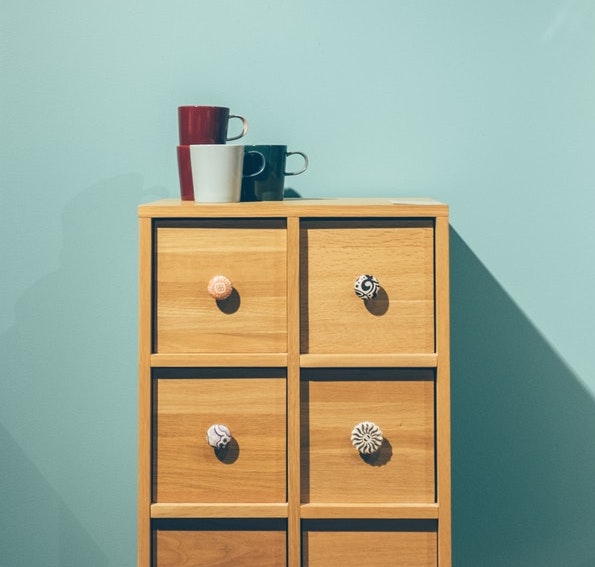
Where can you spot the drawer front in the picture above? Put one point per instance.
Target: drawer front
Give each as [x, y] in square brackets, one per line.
[400, 403]
[220, 544]
[369, 543]
[252, 468]
[399, 254]
[253, 257]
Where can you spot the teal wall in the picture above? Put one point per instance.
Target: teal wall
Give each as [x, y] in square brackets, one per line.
[489, 106]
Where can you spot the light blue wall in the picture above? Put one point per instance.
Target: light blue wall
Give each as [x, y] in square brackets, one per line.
[489, 106]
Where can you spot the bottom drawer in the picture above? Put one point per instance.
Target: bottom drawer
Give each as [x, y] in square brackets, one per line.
[220, 543]
[373, 543]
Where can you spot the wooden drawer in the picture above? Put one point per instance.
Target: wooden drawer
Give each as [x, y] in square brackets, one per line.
[370, 543]
[401, 402]
[399, 254]
[252, 255]
[252, 404]
[220, 543]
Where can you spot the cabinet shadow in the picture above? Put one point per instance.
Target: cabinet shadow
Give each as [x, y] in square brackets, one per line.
[523, 433]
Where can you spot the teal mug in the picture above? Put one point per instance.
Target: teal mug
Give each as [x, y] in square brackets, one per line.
[269, 185]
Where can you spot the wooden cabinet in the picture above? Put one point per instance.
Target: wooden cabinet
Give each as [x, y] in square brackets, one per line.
[297, 368]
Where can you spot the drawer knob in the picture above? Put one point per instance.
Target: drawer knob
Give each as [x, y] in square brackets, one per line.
[366, 287]
[367, 437]
[218, 436]
[220, 287]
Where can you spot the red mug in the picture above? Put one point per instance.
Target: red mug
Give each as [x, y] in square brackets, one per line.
[185, 173]
[207, 125]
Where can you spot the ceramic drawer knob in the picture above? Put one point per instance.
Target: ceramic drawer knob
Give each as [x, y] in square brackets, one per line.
[367, 437]
[218, 436]
[366, 287]
[220, 287]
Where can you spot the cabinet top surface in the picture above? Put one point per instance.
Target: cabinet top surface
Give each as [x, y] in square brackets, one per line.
[355, 207]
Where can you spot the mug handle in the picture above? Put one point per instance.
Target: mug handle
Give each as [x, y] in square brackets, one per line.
[244, 127]
[262, 165]
[305, 163]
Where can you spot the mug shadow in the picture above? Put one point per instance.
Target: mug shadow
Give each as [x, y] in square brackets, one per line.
[523, 434]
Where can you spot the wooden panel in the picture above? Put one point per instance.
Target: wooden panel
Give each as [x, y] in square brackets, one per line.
[253, 319]
[355, 548]
[400, 254]
[144, 395]
[219, 510]
[210, 548]
[401, 403]
[443, 391]
[343, 207]
[233, 359]
[407, 360]
[187, 469]
[293, 389]
[379, 510]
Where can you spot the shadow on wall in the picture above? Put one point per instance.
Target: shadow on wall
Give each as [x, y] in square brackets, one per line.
[68, 393]
[523, 434]
[37, 528]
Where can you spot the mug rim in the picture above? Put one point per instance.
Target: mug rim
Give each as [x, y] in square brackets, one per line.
[266, 145]
[202, 106]
[212, 145]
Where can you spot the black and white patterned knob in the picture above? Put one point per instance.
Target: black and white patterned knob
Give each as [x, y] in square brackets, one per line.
[366, 287]
[367, 437]
[218, 436]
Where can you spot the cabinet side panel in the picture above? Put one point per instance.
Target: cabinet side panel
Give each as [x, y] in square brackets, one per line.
[443, 392]
[144, 393]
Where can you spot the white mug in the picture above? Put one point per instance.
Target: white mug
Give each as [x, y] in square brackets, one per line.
[217, 171]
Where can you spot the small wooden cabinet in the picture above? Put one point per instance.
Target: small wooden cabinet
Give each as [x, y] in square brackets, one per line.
[291, 362]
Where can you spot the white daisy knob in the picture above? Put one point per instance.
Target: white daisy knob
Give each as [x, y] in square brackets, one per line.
[366, 437]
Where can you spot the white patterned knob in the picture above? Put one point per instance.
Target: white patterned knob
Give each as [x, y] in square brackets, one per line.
[367, 437]
[219, 287]
[366, 287]
[218, 436]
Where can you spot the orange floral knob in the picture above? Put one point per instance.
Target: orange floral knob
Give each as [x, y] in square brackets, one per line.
[220, 287]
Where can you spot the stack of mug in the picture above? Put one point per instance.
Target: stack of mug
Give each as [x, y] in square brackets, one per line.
[211, 171]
